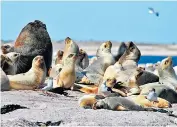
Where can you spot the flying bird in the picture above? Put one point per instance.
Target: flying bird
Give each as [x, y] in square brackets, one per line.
[152, 11]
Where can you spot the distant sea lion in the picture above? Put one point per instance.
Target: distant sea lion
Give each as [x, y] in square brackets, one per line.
[5, 86]
[59, 57]
[31, 79]
[94, 72]
[6, 48]
[82, 61]
[120, 51]
[33, 40]
[10, 62]
[67, 76]
[70, 47]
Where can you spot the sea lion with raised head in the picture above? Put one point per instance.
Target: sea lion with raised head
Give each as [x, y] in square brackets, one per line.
[33, 40]
[10, 62]
[58, 60]
[167, 86]
[32, 79]
[94, 72]
[6, 48]
[70, 47]
[126, 66]
[67, 76]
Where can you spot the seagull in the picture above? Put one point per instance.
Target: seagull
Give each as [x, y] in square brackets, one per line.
[152, 11]
[49, 84]
[152, 96]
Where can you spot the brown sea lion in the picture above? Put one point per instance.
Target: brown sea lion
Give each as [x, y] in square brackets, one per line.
[67, 76]
[33, 40]
[32, 79]
[70, 47]
[59, 57]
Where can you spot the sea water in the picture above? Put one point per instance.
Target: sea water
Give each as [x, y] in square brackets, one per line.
[153, 59]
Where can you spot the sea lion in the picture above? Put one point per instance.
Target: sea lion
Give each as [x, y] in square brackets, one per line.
[82, 60]
[167, 73]
[70, 47]
[6, 48]
[94, 72]
[58, 60]
[120, 51]
[33, 40]
[67, 76]
[5, 86]
[125, 104]
[10, 62]
[126, 66]
[31, 79]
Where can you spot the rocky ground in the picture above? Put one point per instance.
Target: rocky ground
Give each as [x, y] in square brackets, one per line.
[65, 111]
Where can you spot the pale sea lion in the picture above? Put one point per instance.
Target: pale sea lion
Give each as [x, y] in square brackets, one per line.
[67, 76]
[70, 47]
[6, 48]
[126, 66]
[33, 40]
[167, 86]
[5, 86]
[58, 60]
[10, 62]
[94, 72]
[32, 79]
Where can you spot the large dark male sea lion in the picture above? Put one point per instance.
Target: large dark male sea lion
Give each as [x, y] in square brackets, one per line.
[33, 40]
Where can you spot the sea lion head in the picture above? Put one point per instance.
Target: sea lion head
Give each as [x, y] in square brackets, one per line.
[71, 46]
[70, 59]
[100, 104]
[59, 54]
[131, 53]
[110, 82]
[13, 56]
[166, 63]
[38, 62]
[104, 48]
[6, 48]
[122, 48]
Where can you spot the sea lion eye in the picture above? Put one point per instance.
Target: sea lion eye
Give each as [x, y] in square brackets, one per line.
[105, 46]
[71, 55]
[166, 62]
[15, 55]
[7, 46]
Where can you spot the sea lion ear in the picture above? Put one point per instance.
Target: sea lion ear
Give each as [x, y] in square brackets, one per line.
[67, 40]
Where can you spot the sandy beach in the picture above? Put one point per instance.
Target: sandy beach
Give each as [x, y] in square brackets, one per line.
[57, 107]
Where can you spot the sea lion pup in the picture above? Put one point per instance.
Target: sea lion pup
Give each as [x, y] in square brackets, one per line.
[6, 48]
[67, 76]
[94, 72]
[10, 63]
[33, 40]
[120, 51]
[125, 67]
[5, 86]
[58, 60]
[121, 104]
[32, 79]
[70, 47]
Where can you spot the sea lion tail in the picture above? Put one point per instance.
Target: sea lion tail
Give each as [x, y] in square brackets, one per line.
[86, 88]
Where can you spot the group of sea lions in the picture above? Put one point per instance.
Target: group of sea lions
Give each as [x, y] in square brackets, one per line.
[110, 82]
